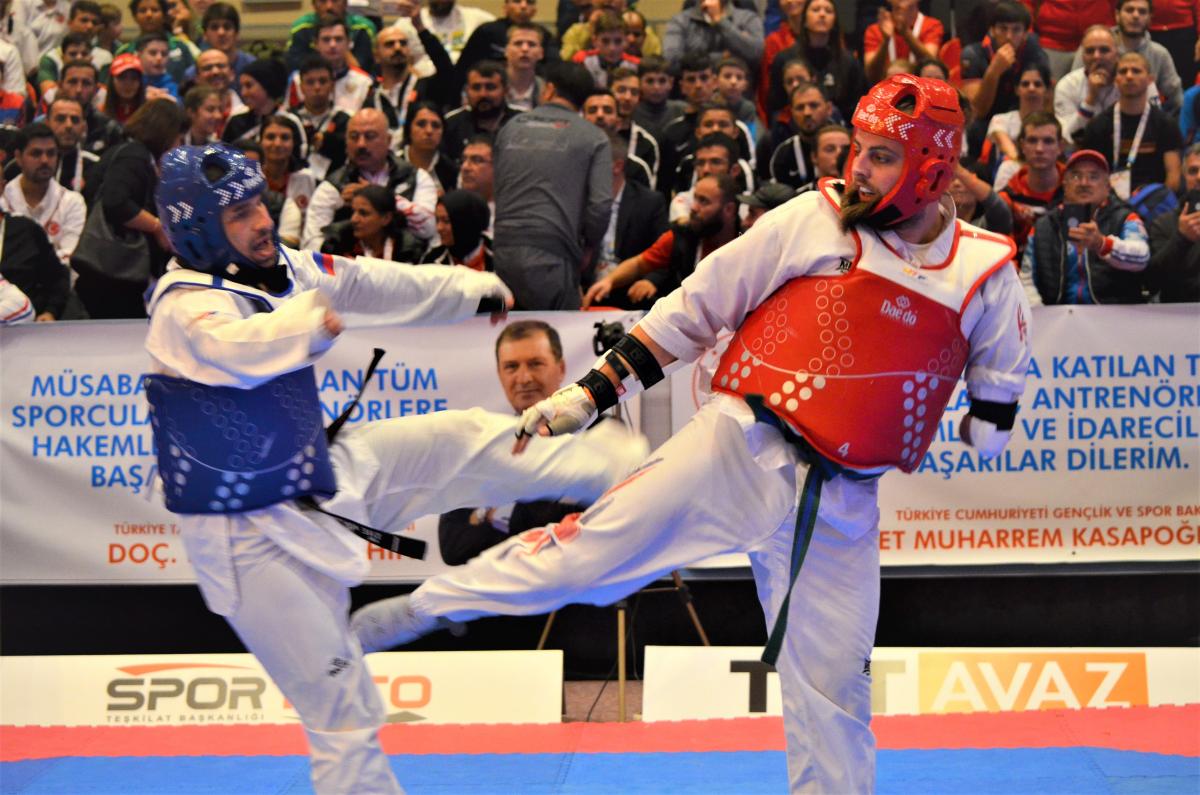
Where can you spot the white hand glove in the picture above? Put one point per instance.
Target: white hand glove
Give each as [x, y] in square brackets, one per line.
[497, 289]
[568, 410]
[984, 436]
[421, 220]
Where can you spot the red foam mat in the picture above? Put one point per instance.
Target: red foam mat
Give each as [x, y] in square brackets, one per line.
[1165, 730]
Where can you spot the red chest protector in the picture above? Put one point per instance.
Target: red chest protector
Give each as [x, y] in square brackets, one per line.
[863, 364]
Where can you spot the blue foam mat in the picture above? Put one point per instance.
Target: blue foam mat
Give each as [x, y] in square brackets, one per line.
[986, 772]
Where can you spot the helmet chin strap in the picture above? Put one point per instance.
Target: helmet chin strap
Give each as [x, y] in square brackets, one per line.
[274, 278]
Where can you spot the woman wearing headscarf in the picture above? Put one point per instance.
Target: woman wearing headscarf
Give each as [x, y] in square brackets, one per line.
[462, 220]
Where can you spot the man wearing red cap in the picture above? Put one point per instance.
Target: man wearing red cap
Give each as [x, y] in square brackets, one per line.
[857, 307]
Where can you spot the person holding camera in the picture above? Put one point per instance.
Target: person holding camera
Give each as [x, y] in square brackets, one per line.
[1174, 272]
[1091, 249]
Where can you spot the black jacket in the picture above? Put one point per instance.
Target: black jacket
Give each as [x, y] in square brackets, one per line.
[1108, 285]
[30, 263]
[1174, 271]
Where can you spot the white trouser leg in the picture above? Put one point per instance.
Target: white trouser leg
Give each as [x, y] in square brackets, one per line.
[295, 622]
[398, 470]
[822, 665]
[698, 495]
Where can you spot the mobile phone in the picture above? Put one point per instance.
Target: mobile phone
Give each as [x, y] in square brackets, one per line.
[1192, 200]
[1076, 214]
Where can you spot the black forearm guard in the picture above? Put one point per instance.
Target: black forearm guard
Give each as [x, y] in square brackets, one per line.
[601, 390]
[645, 366]
[1002, 415]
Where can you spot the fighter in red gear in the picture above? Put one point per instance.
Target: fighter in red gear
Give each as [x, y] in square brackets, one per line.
[857, 308]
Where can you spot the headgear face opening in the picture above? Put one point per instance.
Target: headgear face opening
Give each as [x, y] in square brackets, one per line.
[930, 132]
[196, 183]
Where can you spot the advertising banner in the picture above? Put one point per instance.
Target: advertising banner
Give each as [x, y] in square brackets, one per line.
[76, 452]
[1103, 465]
[190, 689]
[735, 683]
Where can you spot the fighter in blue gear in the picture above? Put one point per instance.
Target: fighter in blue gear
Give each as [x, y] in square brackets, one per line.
[236, 324]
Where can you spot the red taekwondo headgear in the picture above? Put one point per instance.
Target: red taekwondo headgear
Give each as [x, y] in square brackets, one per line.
[931, 134]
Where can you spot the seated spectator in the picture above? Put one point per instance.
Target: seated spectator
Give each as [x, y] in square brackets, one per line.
[578, 36]
[154, 16]
[399, 84]
[992, 67]
[715, 118]
[932, 67]
[1174, 272]
[697, 84]
[529, 363]
[108, 34]
[79, 82]
[733, 83]
[45, 23]
[1090, 89]
[716, 154]
[213, 71]
[463, 219]
[423, 132]
[766, 198]
[486, 110]
[221, 27]
[640, 39]
[1132, 34]
[303, 38]
[489, 40]
[152, 52]
[453, 23]
[76, 46]
[832, 147]
[817, 39]
[603, 110]
[125, 184]
[183, 25]
[655, 110]
[638, 217]
[374, 229]
[324, 123]
[263, 85]
[477, 173]
[1092, 248]
[522, 54]
[714, 26]
[1037, 184]
[126, 90]
[290, 184]
[1004, 128]
[712, 222]
[1061, 25]
[1149, 138]
[34, 285]
[16, 108]
[608, 52]
[76, 165]
[369, 161]
[351, 85]
[976, 203]
[787, 155]
[203, 108]
[901, 32]
[644, 155]
[37, 195]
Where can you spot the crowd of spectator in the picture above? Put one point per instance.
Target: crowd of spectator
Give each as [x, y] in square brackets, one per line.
[597, 161]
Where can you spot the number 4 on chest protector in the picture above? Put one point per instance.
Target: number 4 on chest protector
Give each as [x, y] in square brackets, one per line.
[228, 450]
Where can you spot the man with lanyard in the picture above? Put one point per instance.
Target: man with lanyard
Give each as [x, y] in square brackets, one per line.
[883, 298]
[1143, 139]
[237, 323]
[65, 118]
[397, 84]
[324, 123]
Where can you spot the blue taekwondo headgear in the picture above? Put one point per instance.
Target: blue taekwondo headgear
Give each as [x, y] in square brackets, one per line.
[196, 183]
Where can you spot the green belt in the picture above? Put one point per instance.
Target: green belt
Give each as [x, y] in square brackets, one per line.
[820, 469]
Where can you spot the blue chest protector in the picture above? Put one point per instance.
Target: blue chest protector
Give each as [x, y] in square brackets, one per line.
[228, 450]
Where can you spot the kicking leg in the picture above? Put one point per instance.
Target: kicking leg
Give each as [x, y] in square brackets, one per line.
[701, 494]
[392, 472]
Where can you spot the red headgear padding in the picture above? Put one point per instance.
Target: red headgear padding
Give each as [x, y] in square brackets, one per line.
[931, 135]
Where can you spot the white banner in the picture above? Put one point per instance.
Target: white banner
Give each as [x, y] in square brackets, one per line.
[180, 689]
[702, 682]
[76, 452]
[1103, 466]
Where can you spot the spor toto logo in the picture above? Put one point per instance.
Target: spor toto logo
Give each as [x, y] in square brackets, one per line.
[169, 691]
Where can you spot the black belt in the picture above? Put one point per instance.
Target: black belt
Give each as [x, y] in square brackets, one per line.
[403, 545]
[820, 469]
